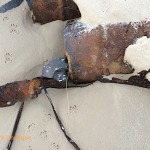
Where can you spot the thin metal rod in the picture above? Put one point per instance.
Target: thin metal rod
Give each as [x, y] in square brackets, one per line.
[15, 127]
[60, 123]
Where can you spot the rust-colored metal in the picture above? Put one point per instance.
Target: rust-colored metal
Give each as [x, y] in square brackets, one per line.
[46, 11]
[22, 90]
[135, 80]
[17, 91]
[101, 50]
[90, 54]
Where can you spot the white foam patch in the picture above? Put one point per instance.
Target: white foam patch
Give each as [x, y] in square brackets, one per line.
[108, 11]
[138, 54]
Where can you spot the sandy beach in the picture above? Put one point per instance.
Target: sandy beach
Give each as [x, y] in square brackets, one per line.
[97, 117]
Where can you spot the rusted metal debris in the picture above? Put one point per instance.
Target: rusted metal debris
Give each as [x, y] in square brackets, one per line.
[22, 90]
[15, 127]
[17, 91]
[101, 50]
[90, 55]
[136, 80]
[46, 11]
[60, 123]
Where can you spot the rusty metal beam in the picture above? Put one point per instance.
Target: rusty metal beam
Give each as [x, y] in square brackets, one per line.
[22, 90]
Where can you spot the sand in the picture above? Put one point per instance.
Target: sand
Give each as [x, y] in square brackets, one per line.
[108, 11]
[25, 45]
[138, 54]
[98, 117]
[106, 116]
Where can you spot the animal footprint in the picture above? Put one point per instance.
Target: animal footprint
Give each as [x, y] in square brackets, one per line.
[55, 146]
[74, 108]
[47, 118]
[29, 148]
[8, 58]
[31, 126]
[5, 18]
[13, 29]
[43, 134]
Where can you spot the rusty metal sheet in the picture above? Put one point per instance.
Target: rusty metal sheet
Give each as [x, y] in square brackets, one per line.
[101, 50]
[45, 11]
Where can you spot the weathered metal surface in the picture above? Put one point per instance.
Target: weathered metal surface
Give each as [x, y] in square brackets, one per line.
[135, 80]
[100, 51]
[45, 11]
[17, 91]
[22, 90]
[56, 69]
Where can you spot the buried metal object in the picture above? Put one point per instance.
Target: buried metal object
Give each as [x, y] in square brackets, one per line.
[56, 69]
[92, 52]
[54, 75]
[46, 11]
